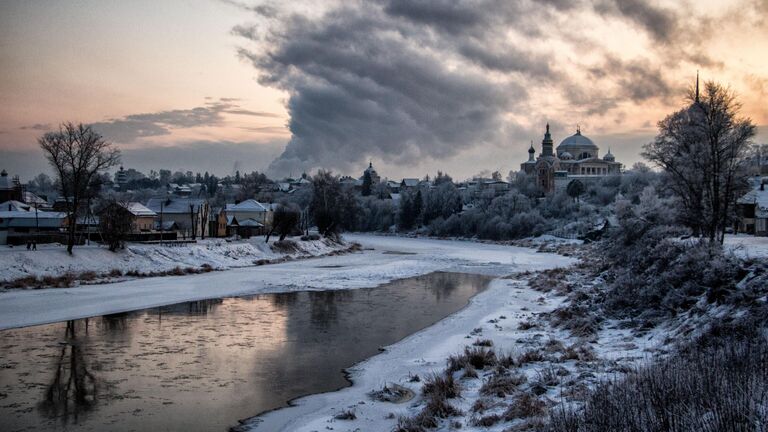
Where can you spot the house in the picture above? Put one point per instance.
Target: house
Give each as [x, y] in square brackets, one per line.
[189, 214]
[217, 223]
[20, 222]
[250, 209]
[752, 209]
[409, 183]
[142, 218]
[245, 228]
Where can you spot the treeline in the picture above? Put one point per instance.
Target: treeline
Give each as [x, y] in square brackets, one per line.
[443, 210]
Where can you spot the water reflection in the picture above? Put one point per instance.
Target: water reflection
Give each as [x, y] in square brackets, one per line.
[73, 389]
[202, 365]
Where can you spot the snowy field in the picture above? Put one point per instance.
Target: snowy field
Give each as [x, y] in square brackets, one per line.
[383, 259]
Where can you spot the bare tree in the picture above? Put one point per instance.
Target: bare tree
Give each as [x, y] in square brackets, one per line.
[77, 153]
[193, 218]
[703, 149]
[115, 223]
[285, 220]
[204, 214]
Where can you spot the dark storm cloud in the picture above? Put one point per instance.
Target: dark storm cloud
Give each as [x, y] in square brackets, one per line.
[358, 89]
[638, 80]
[658, 22]
[448, 15]
[129, 128]
[403, 80]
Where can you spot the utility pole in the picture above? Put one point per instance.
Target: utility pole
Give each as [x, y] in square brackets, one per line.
[161, 222]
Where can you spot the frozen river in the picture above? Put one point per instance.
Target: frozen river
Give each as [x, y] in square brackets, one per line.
[203, 365]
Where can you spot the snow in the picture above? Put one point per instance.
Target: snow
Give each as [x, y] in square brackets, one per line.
[747, 246]
[53, 260]
[383, 259]
[419, 354]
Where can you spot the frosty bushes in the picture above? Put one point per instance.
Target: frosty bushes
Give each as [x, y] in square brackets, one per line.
[717, 388]
[663, 276]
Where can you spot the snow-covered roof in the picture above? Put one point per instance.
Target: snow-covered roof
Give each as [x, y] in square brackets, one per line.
[174, 205]
[168, 225]
[14, 205]
[138, 209]
[410, 182]
[249, 205]
[757, 197]
[34, 199]
[27, 219]
[250, 223]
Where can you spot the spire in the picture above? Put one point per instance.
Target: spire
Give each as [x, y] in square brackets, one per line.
[370, 164]
[578, 129]
[697, 86]
[547, 144]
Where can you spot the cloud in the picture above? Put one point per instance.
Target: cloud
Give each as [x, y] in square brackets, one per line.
[132, 127]
[661, 24]
[38, 127]
[357, 89]
[404, 80]
[218, 157]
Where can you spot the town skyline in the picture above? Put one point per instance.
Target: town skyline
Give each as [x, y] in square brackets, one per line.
[173, 84]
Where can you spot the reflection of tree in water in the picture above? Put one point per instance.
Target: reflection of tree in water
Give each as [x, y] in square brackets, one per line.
[323, 305]
[284, 299]
[444, 284]
[73, 389]
[198, 308]
[115, 323]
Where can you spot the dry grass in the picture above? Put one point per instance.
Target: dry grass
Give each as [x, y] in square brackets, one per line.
[483, 343]
[345, 415]
[502, 382]
[530, 356]
[477, 357]
[721, 386]
[525, 406]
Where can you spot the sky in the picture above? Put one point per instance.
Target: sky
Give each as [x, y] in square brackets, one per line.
[413, 86]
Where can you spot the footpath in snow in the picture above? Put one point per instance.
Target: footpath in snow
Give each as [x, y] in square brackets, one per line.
[382, 259]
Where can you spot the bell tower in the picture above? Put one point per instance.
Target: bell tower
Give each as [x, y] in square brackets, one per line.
[547, 144]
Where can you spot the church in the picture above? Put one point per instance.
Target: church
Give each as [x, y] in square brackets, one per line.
[577, 158]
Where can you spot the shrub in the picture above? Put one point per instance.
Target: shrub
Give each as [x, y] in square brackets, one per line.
[718, 386]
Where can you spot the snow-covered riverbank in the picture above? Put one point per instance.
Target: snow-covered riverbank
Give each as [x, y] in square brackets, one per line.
[137, 259]
[383, 259]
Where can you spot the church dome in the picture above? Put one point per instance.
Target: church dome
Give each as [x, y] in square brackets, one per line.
[578, 145]
[609, 157]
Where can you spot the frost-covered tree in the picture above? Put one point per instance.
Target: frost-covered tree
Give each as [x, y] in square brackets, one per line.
[703, 149]
[330, 205]
[442, 201]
